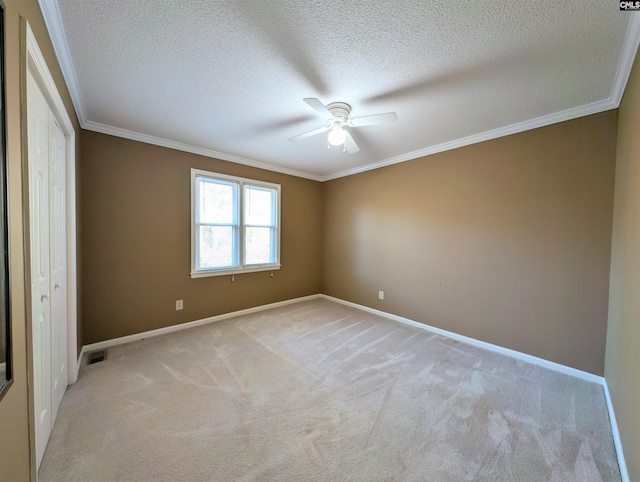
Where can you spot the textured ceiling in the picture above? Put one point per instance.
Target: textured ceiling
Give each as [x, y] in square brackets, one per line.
[227, 78]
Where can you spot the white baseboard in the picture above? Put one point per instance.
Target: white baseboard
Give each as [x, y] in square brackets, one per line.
[616, 433]
[101, 345]
[79, 364]
[590, 377]
[481, 344]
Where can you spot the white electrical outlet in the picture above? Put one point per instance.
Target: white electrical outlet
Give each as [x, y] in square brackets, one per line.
[179, 305]
[381, 295]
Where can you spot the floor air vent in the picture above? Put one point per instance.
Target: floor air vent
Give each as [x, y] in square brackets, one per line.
[97, 356]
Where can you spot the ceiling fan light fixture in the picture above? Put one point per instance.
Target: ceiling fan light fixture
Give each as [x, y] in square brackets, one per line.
[337, 136]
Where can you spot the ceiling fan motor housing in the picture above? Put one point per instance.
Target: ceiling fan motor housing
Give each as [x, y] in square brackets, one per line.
[340, 112]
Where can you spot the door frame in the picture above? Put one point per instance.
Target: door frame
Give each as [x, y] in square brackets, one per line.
[36, 65]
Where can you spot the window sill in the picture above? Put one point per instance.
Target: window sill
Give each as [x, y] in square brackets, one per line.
[232, 271]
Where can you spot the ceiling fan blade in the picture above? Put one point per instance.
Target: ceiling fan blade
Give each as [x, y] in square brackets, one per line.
[373, 120]
[309, 134]
[318, 106]
[350, 144]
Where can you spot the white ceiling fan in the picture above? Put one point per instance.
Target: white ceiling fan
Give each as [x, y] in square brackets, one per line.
[337, 114]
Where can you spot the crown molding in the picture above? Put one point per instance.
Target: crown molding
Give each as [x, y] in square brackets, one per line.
[53, 21]
[160, 141]
[542, 121]
[627, 56]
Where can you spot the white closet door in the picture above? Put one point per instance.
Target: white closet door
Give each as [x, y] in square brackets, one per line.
[58, 263]
[38, 119]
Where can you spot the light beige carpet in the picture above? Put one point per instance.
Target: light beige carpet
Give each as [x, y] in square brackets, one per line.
[316, 391]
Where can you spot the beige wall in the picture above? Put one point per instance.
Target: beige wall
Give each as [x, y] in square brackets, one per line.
[622, 363]
[507, 241]
[14, 430]
[136, 240]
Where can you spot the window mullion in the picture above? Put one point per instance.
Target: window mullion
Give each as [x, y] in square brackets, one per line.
[241, 228]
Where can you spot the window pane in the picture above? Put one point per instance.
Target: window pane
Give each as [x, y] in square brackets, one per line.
[258, 206]
[259, 247]
[217, 203]
[216, 247]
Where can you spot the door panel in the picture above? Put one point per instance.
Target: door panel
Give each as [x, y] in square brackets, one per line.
[38, 119]
[58, 264]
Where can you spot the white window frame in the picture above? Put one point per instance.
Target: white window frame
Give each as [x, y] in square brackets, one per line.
[241, 268]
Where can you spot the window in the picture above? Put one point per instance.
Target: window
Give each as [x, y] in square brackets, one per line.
[235, 225]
